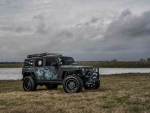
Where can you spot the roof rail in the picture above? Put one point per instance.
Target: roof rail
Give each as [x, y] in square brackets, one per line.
[44, 54]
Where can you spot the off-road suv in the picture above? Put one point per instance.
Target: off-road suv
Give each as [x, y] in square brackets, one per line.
[53, 69]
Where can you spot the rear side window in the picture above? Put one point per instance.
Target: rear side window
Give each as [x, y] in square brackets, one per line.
[49, 61]
[39, 62]
[28, 63]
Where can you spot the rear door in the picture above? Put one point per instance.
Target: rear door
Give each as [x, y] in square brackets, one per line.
[39, 69]
[45, 70]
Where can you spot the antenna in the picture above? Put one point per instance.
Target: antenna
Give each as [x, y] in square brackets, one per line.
[44, 54]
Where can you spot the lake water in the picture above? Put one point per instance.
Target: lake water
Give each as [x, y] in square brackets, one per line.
[16, 73]
[107, 71]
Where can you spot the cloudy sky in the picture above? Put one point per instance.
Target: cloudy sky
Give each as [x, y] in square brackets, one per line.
[84, 29]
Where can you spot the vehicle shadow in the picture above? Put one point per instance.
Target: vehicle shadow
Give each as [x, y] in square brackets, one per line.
[60, 90]
[96, 90]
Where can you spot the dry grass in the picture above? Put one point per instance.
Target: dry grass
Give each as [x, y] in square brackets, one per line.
[128, 93]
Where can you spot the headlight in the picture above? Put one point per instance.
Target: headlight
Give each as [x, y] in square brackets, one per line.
[94, 69]
[82, 69]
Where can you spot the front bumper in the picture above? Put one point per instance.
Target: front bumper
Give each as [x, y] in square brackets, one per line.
[92, 78]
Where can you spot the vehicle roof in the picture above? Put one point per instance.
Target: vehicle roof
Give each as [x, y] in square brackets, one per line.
[46, 57]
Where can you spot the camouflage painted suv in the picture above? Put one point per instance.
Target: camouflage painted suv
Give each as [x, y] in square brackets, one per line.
[53, 69]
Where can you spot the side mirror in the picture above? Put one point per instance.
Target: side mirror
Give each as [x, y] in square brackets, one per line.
[54, 64]
[60, 63]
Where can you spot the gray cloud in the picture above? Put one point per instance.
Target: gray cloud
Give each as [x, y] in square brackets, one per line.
[129, 25]
[14, 28]
[129, 34]
[94, 20]
[75, 29]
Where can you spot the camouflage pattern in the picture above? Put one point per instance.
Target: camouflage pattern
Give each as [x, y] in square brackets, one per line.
[48, 73]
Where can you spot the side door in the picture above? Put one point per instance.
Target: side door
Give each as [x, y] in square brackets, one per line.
[51, 71]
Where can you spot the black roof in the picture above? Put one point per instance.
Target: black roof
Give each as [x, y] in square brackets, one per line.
[44, 54]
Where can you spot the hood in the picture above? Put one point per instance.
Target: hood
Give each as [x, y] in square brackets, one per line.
[75, 66]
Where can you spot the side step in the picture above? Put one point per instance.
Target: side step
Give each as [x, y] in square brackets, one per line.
[48, 82]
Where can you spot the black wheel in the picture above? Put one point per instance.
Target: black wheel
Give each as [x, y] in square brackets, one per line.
[72, 84]
[86, 87]
[97, 84]
[51, 86]
[29, 84]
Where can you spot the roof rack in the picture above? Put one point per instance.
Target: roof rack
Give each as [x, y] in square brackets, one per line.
[44, 54]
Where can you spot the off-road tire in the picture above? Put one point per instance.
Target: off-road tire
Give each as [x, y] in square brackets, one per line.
[97, 84]
[51, 86]
[29, 84]
[72, 84]
[86, 87]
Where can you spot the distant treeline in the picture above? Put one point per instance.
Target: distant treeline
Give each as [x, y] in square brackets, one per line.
[116, 64]
[100, 64]
[11, 64]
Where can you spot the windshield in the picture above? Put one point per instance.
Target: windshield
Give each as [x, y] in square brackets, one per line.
[66, 60]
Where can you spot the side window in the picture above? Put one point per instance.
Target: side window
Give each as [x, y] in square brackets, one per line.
[39, 62]
[49, 61]
[28, 63]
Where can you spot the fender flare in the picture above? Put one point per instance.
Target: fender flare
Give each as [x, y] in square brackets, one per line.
[29, 74]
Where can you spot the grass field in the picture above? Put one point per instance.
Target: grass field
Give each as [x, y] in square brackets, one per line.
[127, 93]
[12, 65]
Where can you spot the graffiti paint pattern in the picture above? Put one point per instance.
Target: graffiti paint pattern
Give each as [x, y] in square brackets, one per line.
[49, 73]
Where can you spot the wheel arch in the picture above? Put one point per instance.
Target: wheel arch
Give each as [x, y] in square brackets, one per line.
[67, 73]
[29, 74]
